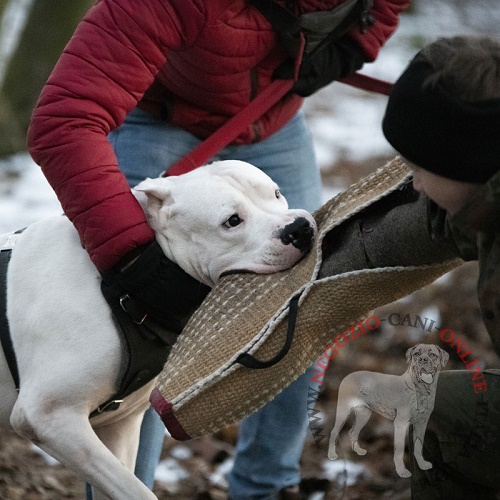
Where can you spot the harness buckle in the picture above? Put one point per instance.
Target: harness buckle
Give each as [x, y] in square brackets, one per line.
[132, 311]
[112, 405]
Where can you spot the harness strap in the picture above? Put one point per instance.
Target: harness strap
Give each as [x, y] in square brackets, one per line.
[144, 359]
[146, 344]
[5, 338]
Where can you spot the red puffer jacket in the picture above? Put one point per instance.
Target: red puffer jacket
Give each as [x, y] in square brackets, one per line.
[211, 55]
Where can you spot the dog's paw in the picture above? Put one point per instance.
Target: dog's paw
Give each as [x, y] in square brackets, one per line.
[358, 449]
[424, 464]
[332, 455]
[403, 472]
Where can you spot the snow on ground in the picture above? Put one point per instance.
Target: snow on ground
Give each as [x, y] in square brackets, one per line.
[343, 471]
[170, 472]
[26, 199]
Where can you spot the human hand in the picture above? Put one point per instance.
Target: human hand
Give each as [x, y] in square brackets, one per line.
[337, 59]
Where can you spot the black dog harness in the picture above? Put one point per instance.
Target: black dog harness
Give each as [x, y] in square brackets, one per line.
[146, 344]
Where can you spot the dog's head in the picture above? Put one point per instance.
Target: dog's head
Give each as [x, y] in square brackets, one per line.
[425, 361]
[223, 217]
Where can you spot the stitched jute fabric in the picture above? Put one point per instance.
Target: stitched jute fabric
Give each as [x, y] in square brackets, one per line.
[202, 387]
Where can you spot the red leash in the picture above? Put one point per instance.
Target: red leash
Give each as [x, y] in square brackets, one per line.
[231, 129]
[368, 83]
[250, 113]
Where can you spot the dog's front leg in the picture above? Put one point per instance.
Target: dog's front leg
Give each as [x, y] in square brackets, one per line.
[418, 443]
[400, 427]
[343, 411]
[66, 434]
[121, 437]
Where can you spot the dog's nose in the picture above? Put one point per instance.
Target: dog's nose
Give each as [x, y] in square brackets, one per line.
[299, 233]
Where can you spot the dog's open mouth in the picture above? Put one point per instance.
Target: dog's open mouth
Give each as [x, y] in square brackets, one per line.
[427, 376]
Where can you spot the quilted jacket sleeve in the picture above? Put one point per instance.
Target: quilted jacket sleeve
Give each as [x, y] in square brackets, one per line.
[386, 15]
[103, 72]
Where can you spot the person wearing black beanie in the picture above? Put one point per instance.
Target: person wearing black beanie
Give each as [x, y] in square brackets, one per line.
[443, 118]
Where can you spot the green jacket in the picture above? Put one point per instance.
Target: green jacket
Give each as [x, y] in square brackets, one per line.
[484, 245]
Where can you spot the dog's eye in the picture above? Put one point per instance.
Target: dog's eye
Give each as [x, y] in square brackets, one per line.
[233, 221]
[277, 193]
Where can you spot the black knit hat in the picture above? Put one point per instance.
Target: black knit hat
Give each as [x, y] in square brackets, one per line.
[438, 132]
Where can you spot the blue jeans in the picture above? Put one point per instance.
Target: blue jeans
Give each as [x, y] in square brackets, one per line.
[271, 440]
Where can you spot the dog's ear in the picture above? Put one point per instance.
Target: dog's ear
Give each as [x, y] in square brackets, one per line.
[157, 193]
[409, 354]
[444, 356]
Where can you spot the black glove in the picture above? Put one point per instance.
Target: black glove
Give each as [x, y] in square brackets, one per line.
[152, 287]
[339, 58]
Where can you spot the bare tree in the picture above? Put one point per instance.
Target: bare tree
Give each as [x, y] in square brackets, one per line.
[48, 28]
[3, 3]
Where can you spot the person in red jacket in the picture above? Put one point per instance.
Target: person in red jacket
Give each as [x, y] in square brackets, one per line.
[159, 76]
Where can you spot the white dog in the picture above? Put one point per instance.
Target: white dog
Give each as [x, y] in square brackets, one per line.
[222, 217]
[406, 399]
